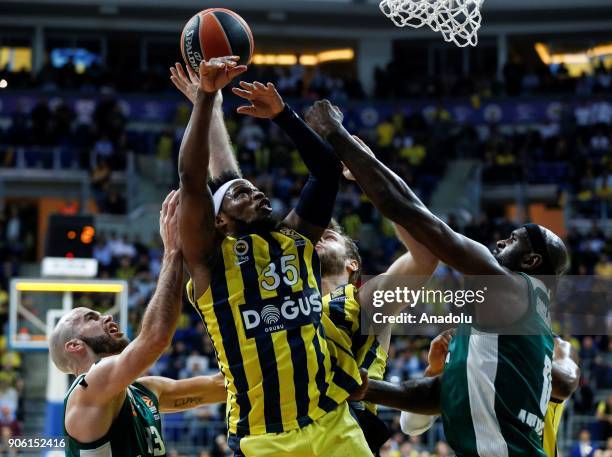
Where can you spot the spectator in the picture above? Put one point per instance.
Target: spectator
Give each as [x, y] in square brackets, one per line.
[115, 203]
[584, 447]
[604, 418]
[163, 158]
[103, 149]
[603, 268]
[8, 419]
[9, 397]
[102, 253]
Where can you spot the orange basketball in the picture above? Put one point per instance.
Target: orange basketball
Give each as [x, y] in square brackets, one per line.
[216, 32]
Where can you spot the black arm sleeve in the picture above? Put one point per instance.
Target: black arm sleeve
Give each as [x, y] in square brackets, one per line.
[318, 196]
[316, 153]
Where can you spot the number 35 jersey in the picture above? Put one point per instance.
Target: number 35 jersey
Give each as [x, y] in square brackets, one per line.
[263, 314]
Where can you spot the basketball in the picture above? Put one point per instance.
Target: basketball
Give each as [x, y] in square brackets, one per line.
[216, 32]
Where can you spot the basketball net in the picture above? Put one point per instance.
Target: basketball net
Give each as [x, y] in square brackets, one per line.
[457, 20]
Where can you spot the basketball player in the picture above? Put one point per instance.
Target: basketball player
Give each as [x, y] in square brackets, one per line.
[345, 303]
[338, 254]
[495, 388]
[109, 410]
[565, 377]
[255, 283]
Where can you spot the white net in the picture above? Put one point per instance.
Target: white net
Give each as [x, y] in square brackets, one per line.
[457, 20]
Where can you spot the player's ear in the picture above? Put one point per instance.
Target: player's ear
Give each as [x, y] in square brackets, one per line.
[74, 346]
[351, 265]
[221, 221]
[531, 261]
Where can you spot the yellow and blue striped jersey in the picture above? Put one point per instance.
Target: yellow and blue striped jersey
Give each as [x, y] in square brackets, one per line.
[345, 312]
[263, 314]
[551, 426]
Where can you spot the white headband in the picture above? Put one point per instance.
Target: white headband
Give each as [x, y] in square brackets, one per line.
[220, 194]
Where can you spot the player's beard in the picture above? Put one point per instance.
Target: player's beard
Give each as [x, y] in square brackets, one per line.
[105, 344]
[264, 224]
[331, 264]
[511, 260]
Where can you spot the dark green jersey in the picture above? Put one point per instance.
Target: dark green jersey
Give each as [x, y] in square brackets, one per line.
[495, 388]
[136, 432]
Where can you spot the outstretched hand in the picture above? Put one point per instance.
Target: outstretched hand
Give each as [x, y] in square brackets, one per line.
[168, 222]
[345, 171]
[324, 118]
[437, 352]
[188, 85]
[266, 103]
[216, 73]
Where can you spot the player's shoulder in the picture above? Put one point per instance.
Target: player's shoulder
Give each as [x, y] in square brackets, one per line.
[292, 234]
[343, 293]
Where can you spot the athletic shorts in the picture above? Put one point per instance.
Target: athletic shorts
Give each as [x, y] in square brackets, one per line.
[336, 434]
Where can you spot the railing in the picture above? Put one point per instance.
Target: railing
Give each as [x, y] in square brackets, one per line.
[64, 159]
[190, 436]
[595, 209]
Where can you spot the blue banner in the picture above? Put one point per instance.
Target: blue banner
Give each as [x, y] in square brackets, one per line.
[162, 109]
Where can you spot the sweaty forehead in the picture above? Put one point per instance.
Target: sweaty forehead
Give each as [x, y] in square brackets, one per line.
[330, 232]
[79, 313]
[240, 184]
[520, 232]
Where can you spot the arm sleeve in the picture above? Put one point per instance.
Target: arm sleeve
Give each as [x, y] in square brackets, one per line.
[318, 196]
[317, 154]
[415, 424]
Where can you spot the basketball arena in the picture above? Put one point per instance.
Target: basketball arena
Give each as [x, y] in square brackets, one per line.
[199, 201]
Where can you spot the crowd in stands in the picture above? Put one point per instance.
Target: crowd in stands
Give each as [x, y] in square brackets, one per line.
[11, 380]
[295, 81]
[398, 80]
[395, 80]
[572, 153]
[91, 137]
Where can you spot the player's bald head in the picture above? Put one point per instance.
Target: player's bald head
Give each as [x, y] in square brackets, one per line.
[533, 249]
[64, 331]
[557, 251]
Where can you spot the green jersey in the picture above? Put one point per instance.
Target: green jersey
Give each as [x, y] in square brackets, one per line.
[495, 388]
[136, 432]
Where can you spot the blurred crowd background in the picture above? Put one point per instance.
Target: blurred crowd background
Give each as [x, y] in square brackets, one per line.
[66, 118]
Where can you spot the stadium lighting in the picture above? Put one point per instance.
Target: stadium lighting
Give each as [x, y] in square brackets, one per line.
[336, 54]
[3, 83]
[571, 58]
[304, 59]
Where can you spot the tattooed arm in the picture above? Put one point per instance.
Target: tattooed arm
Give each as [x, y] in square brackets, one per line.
[175, 396]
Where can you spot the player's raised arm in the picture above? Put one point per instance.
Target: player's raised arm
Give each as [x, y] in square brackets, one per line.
[180, 395]
[112, 375]
[396, 201]
[222, 160]
[196, 217]
[315, 206]
[418, 263]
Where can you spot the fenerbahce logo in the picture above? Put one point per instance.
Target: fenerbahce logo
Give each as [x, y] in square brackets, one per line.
[241, 249]
[274, 315]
